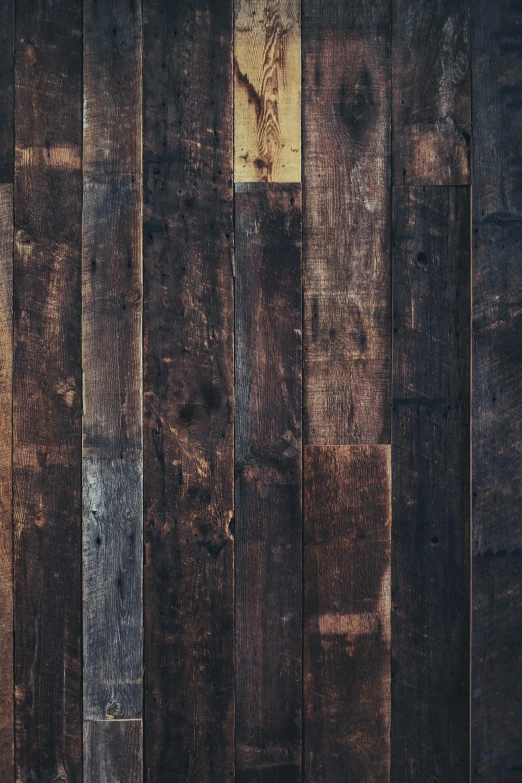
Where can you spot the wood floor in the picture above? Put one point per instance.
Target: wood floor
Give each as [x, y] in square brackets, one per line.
[260, 391]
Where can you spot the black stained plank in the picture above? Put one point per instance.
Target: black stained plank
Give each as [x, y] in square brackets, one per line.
[431, 484]
[113, 751]
[268, 530]
[346, 251]
[111, 347]
[347, 563]
[47, 391]
[497, 392]
[431, 92]
[6, 398]
[188, 391]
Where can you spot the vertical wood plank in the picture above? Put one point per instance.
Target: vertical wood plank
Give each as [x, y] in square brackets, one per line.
[346, 174]
[497, 392]
[47, 390]
[111, 343]
[113, 751]
[188, 391]
[268, 483]
[431, 92]
[267, 91]
[347, 537]
[431, 484]
[6, 385]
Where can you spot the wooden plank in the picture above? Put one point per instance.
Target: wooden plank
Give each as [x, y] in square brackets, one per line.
[267, 91]
[347, 532]
[111, 347]
[431, 92]
[268, 483]
[6, 383]
[346, 130]
[431, 484]
[47, 383]
[497, 392]
[188, 391]
[113, 751]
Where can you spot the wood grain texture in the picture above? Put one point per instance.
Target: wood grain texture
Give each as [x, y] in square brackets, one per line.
[347, 561]
[267, 91]
[431, 484]
[431, 92]
[6, 383]
[47, 391]
[111, 348]
[497, 392]
[113, 751]
[188, 391]
[346, 129]
[268, 483]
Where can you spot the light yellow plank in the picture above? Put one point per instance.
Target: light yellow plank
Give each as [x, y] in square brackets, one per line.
[267, 91]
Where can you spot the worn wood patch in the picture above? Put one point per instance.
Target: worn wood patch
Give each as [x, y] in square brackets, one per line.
[267, 91]
[268, 483]
[111, 346]
[347, 561]
[431, 484]
[347, 322]
[431, 92]
[113, 751]
[188, 391]
[497, 392]
[47, 395]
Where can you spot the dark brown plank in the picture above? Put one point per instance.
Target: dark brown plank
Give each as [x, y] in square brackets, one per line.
[347, 536]
[188, 378]
[6, 383]
[431, 92]
[113, 751]
[268, 483]
[431, 484]
[497, 392]
[47, 390]
[346, 174]
[111, 340]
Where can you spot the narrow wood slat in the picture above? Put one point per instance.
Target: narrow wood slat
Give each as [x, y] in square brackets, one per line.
[188, 394]
[111, 341]
[6, 383]
[346, 129]
[47, 390]
[431, 484]
[431, 92]
[347, 536]
[113, 751]
[268, 483]
[497, 392]
[267, 91]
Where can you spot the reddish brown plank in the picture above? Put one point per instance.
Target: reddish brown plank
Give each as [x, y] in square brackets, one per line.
[188, 391]
[47, 380]
[268, 320]
[347, 564]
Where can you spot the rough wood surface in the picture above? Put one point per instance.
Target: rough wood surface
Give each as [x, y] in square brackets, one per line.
[497, 392]
[268, 530]
[188, 394]
[431, 92]
[267, 91]
[346, 129]
[6, 397]
[113, 751]
[111, 347]
[431, 484]
[347, 561]
[47, 391]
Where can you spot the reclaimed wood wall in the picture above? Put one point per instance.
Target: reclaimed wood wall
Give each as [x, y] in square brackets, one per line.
[260, 391]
